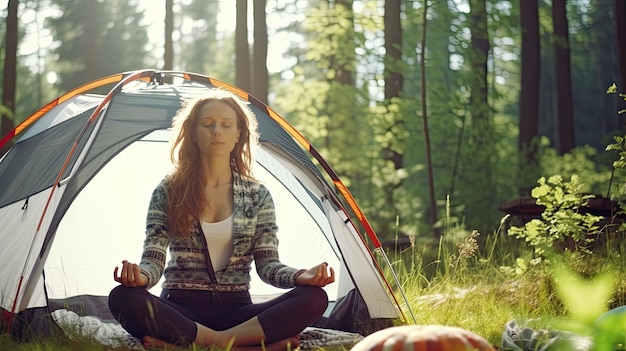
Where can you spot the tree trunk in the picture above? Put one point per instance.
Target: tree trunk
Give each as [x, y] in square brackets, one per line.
[168, 54]
[431, 182]
[620, 20]
[564, 113]
[529, 95]
[92, 38]
[393, 49]
[259, 63]
[242, 49]
[393, 76]
[344, 72]
[9, 74]
[479, 55]
[341, 61]
[480, 151]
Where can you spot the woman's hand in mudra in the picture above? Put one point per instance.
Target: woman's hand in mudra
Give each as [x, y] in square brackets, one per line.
[130, 275]
[318, 275]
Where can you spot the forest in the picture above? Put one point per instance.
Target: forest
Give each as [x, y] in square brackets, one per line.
[434, 113]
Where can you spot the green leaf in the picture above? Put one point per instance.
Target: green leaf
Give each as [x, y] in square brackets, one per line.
[575, 292]
[612, 89]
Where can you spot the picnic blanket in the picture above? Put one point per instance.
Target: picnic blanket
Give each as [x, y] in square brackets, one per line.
[114, 335]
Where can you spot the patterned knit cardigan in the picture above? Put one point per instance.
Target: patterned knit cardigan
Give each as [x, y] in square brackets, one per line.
[254, 237]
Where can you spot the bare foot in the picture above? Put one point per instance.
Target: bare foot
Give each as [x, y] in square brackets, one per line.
[288, 344]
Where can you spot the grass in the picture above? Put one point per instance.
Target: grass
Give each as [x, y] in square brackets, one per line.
[51, 344]
[480, 283]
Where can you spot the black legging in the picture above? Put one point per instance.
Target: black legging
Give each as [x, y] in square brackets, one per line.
[173, 316]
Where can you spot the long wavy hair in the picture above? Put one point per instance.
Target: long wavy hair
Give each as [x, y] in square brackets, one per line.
[185, 188]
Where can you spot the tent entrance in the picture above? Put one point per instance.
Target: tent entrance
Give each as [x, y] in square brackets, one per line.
[106, 223]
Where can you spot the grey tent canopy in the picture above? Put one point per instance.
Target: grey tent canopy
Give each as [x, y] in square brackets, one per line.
[75, 186]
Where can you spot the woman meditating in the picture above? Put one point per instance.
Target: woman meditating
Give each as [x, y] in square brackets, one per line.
[215, 219]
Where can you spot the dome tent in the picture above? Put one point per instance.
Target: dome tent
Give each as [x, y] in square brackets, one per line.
[75, 189]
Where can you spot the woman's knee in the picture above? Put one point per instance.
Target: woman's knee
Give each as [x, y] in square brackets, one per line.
[116, 296]
[120, 292]
[122, 296]
[316, 297]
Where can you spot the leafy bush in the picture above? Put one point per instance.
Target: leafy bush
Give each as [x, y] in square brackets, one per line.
[561, 221]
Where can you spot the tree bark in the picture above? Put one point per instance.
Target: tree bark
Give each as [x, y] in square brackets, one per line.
[242, 48]
[344, 71]
[564, 112]
[620, 20]
[9, 73]
[431, 182]
[529, 94]
[393, 50]
[168, 54]
[393, 56]
[480, 52]
[260, 78]
[92, 39]
[480, 151]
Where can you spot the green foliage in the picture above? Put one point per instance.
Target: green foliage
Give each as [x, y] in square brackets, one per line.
[360, 134]
[613, 90]
[6, 111]
[582, 161]
[619, 164]
[32, 91]
[483, 284]
[585, 317]
[561, 219]
[609, 332]
[95, 39]
[199, 42]
[575, 291]
[334, 111]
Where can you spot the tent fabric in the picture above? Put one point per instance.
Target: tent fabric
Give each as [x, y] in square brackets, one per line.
[75, 187]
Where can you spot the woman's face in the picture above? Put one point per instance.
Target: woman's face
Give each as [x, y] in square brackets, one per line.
[217, 130]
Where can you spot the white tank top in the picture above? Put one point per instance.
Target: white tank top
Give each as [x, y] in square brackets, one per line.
[219, 239]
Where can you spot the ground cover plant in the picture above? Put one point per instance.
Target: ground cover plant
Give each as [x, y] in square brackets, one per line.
[561, 271]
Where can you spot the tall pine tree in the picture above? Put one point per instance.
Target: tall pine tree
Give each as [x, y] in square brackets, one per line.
[95, 39]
